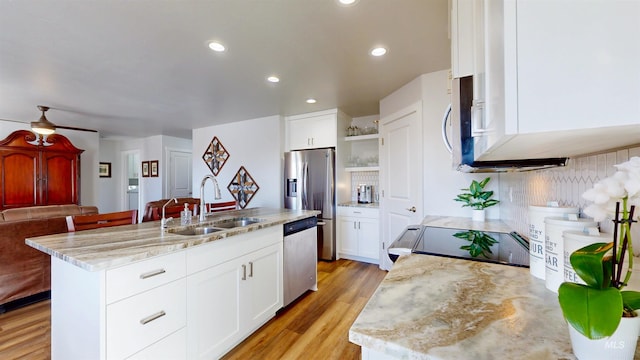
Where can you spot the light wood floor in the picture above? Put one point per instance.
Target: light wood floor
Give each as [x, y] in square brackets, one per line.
[316, 326]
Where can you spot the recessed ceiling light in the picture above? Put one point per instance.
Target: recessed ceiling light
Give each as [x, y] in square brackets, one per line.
[216, 46]
[378, 51]
[347, 2]
[273, 79]
[311, 101]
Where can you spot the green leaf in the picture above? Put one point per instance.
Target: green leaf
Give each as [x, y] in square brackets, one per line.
[589, 265]
[631, 299]
[595, 313]
[484, 182]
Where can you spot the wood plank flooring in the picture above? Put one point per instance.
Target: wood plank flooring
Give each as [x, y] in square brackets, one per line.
[316, 326]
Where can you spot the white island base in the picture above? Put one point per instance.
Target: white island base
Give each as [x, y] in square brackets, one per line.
[194, 303]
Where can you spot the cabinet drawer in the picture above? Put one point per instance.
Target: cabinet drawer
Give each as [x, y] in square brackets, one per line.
[358, 212]
[139, 321]
[135, 278]
[172, 347]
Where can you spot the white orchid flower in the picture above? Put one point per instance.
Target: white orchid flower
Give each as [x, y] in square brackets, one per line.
[606, 192]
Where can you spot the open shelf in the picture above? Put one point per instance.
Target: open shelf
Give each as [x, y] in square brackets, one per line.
[362, 168]
[362, 137]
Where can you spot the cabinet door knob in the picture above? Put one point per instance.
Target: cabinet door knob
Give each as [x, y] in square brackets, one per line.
[412, 209]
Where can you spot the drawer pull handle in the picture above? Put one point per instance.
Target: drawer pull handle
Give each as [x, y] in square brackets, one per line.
[244, 272]
[150, 318]
[250, 269]
[152, 273]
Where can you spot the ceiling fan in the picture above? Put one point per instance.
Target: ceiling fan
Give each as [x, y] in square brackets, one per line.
[45, 127]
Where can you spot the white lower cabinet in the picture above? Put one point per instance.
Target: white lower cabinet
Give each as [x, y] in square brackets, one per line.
[191, 304]
[227, 302]
[359, 234]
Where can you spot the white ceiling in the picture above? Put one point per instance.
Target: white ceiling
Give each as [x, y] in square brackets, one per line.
[141, 68]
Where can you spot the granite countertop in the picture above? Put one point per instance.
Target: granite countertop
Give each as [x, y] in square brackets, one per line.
[464, 223]
[373, 205]
[431, 307]
[104, 248]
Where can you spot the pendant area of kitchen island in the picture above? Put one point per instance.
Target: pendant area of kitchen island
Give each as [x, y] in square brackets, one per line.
[135, 291]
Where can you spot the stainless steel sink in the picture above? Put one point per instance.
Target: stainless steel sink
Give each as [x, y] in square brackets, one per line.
[198, 231]
[235, 222]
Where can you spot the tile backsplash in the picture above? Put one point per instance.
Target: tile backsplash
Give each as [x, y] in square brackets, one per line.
[565, 185]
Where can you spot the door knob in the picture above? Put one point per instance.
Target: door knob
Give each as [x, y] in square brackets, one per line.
[412, 209]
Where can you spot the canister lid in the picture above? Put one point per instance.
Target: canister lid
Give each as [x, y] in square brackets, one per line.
[554, 209]
[584, 237]
[563, 221]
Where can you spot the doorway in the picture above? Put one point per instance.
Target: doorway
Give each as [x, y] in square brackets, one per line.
[131, 180]
[179, 176]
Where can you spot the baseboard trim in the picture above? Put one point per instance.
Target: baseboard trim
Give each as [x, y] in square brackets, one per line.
[31, 299]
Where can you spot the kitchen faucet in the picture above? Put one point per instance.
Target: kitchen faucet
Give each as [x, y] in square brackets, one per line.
[217, 196]
[163, 221]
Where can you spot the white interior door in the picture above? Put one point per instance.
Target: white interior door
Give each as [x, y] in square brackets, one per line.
[400, 174]
[179, 174]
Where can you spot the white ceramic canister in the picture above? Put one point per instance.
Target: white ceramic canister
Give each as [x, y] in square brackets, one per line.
[554, 246]
[574, 240]
[537, 214]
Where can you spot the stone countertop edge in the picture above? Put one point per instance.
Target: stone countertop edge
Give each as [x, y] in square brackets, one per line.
[431, 307]
[463, 223]
[110, 247]
[360, 205]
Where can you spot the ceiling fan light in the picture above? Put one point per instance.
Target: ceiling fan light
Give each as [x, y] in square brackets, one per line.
[43, 126]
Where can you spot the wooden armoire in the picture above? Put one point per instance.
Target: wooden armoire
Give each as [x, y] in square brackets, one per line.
[38, 172]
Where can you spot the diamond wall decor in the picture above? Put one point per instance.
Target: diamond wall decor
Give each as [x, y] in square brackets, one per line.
[242, 187]
[215, 156]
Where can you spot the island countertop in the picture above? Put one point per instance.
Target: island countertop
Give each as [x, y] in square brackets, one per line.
[109, 247]
[431, 307]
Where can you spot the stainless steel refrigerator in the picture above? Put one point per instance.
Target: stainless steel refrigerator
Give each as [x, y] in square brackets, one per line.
[309, 184]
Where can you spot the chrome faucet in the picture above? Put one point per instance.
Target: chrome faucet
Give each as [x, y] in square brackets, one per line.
[217, 196]
[163, 221]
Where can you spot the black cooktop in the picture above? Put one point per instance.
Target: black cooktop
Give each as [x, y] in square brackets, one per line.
[502, 248]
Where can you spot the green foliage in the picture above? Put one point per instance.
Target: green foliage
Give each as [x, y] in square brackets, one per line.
[595, 309]
[480, 242]
[476, 197]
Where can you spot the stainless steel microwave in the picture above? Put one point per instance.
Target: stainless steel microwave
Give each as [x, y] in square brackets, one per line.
[462, 142]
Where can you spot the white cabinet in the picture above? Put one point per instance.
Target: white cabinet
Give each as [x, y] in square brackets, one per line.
[358, 233]
[315, 130]
[546, 87]
[126, 312]
[228, 301]
[462, 38]
[190, 304]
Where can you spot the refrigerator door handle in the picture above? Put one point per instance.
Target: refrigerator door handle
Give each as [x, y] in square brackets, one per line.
[305, 181]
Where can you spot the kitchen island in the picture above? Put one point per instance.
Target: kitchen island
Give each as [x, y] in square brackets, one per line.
[432, 307]
[137, 291]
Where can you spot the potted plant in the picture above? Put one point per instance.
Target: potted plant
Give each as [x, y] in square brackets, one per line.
[601, 316]
[477, 198]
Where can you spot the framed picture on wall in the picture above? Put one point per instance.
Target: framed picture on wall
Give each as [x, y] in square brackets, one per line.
[154, 168]
[145, 169]
[104, 169]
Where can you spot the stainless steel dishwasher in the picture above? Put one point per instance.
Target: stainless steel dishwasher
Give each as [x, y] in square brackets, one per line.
[300, 258]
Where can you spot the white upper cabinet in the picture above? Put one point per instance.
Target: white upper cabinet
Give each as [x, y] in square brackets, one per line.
[313, 130]
[551, 77]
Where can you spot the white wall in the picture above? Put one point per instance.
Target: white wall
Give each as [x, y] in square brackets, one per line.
[255, 144]
[88, 141]
[110, 189]
[441, 183]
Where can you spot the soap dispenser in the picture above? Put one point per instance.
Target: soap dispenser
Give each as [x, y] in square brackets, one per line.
[185, 215]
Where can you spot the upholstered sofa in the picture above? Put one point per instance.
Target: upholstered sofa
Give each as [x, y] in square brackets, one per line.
[25, 273]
